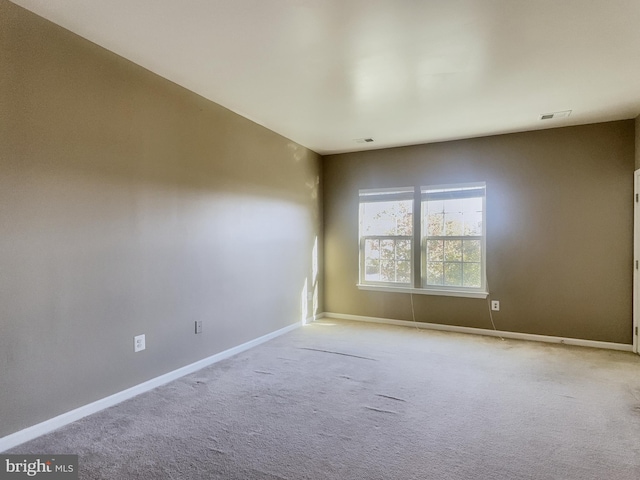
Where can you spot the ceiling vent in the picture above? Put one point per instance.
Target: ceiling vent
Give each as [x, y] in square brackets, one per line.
[554, 115]
[364, 140]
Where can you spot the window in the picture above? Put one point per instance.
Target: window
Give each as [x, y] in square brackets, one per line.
[453, 237]
[451, 256]
[386, 236]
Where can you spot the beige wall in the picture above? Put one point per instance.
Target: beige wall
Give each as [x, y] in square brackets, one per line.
[559, 229]
[130, 205]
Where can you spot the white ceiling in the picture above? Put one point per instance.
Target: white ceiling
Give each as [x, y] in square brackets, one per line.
[327, 72]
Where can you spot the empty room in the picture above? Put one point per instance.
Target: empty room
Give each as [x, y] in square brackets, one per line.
[304, 239]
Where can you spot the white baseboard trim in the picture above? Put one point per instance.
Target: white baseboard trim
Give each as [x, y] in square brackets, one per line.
[313, 318]
[29, 433]
[481, 331]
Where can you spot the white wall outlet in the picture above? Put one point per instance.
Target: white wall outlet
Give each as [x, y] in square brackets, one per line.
[139, 343]
[198, 326]
[495, 305]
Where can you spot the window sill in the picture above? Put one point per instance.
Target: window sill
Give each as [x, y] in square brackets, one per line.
[424, 291]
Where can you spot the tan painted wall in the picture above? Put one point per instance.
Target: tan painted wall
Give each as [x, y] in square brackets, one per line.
[130, 205]
[559, 229]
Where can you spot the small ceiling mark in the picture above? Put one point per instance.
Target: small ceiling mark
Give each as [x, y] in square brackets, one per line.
[364, 140]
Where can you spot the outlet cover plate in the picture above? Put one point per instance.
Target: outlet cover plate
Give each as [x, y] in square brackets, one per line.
[139, 343]
[495, 305]
[198, 326]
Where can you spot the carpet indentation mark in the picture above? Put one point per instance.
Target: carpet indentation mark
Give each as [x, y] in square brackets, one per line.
[390, 397]
[337, 353]
[380, 410]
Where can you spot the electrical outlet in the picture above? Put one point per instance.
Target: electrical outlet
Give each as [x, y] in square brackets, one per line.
[495, 305]
[139, 343]
[198, 326]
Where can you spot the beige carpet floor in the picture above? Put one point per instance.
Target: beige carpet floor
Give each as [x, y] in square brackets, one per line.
[346, 400]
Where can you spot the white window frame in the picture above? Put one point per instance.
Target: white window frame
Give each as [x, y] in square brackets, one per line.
[418, 282]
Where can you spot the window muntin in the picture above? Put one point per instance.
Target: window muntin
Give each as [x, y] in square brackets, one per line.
[386, 236]
[453, 240]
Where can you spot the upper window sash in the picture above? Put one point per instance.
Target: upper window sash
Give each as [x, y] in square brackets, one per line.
[429, 194]
[385, 194]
